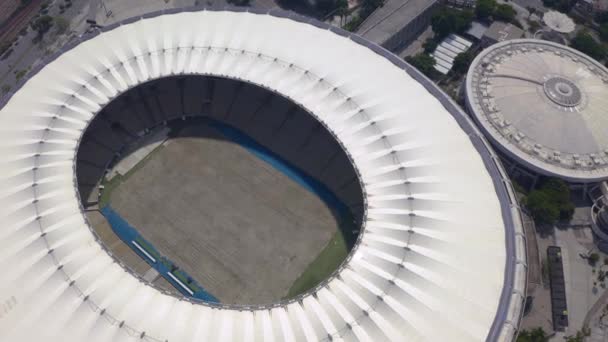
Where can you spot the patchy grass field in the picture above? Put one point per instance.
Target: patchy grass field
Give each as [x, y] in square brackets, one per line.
[244, 230]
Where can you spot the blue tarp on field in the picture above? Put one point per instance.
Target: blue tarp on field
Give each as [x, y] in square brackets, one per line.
[164, 266]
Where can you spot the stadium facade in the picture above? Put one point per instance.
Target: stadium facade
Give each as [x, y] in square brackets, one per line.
[441, 255]
[542, 105]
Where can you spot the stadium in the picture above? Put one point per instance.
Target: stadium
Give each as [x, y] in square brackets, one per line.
[439, 253]
[542, 105]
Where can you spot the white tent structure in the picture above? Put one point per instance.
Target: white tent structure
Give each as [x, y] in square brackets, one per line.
[441, 256]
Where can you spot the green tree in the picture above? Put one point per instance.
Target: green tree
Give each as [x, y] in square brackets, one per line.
[324, 6]
[5, 89]
[341, 7]
[462, 62]
[353, 24]
[601, 17]
[484, 9]
[559, 192]
[239, 2]
[505, 12]
[542, 209]
[593, 259]
[19, 74]
[579, 337]
[62, 24]
[533, 26]
[449, 20]
[423, 62]
[550, 202]
[603, 30]
[585, 43]
[560, 5]
[43, 24]
[430, 45]
[4, 46]
[534, 335]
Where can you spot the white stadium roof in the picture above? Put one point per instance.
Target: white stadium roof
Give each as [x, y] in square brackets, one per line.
[544, 104]
[441, 255]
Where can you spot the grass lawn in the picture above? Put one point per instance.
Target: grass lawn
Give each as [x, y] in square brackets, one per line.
[111, 185]
[326, 262]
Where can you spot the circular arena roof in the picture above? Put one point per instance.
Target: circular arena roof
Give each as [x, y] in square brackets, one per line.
[440, 257]
[544, 104]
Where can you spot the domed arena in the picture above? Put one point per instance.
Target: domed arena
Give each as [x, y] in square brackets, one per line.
[542, 105]
[436, 247]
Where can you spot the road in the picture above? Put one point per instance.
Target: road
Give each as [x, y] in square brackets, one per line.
[26, 54]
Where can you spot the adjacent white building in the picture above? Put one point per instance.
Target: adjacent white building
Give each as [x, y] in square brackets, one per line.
[543, 105]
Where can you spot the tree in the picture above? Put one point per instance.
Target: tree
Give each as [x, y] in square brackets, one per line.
[559, 192]
[423, 62]
[601, 17]
[62, 24]
[4, 46]
[534, 335]
[531, 11]
[19, 74]
[603, 30]
[462, 62]
[430, 45]
[505, 12]
[43, 24]
[560, 5]
[353, 24]
[593, 259]
[5, 89]
[449, 20]
[341, 7]
[533, 26]
[324, 6]
[550, 202]
[542, 208]
[579, 337]
[239, 2]
[585, 43]
[484, 9]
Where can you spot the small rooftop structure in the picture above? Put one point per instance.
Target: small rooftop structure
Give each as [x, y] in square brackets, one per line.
[558, 22]
[500, 31]
[477, 30]
[447, 50]
[397, 22]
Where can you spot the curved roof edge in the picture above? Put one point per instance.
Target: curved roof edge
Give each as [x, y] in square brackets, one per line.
[530, 163]
[510, 309]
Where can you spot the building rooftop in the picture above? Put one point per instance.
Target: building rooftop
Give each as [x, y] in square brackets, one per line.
[447, 50]
[545, 105]
[500, 31]
[477, 30]
[391, 18]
